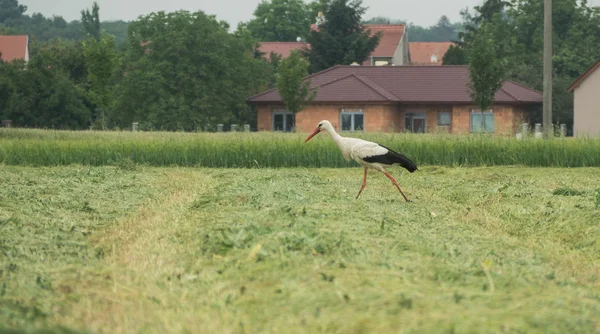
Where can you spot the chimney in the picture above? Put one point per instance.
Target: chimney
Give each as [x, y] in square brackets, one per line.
[320, 19]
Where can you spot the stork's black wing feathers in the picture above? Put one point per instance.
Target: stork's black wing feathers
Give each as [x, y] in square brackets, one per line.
[392, 157]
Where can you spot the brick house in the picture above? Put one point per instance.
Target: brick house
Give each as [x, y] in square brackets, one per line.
[428, 53]
[586, 103]
[14, 47]
[391, 50]
[398, 98]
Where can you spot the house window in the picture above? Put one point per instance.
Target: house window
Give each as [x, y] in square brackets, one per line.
[444, 118]
[482, 121]
[414, 122]
[283, 121]
[352, 120]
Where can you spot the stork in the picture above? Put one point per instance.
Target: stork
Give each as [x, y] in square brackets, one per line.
[367, 154]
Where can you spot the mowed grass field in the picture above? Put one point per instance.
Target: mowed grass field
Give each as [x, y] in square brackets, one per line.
[140, 249]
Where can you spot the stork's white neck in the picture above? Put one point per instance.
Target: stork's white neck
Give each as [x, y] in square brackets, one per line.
[335, 136]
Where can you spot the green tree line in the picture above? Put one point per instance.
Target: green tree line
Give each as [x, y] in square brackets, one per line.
[515, 28]
[189, 70]
[14, 20]
[286, 20]
[176, 71]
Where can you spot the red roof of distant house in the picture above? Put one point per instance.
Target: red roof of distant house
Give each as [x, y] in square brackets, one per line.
[390, 38]
[585, 74]
[282, 48]
[391, 34]
[400, 84]
[13, 47]
[421, 53]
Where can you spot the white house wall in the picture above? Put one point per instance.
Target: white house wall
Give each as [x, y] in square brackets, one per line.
[586, 115]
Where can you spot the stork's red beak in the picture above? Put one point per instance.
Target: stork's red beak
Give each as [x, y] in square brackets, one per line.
[317, 130]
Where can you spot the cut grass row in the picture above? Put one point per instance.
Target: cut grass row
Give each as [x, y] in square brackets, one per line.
[251, 150]
[187, 250]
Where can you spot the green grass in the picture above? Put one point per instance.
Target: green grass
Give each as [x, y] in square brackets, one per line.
[251, 150]
[168, 250]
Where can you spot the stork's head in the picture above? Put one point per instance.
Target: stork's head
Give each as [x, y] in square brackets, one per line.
[323, 126]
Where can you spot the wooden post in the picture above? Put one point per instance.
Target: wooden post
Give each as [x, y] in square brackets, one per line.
[547, 113]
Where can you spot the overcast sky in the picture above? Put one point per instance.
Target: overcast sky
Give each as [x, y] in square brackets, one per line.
[424, 13]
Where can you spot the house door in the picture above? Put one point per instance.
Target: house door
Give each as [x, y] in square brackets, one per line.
[414, 122]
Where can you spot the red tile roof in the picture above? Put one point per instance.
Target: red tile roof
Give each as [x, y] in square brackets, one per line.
[282, 48]
[585, 74]
[13, 47]
[391, 34]
[400, 84]
[422, 52]
[353, 87]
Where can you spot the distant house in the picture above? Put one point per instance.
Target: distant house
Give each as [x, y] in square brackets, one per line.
[284, 49]
[586, 109]
[391, 50]
[398, 98]
[428, 53]
[393, 45]
[14, 47]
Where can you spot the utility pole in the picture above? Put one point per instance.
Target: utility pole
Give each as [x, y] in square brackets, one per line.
[547, 113]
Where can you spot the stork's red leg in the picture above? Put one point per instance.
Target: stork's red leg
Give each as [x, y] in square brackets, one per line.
[396, 184]
[363, 184]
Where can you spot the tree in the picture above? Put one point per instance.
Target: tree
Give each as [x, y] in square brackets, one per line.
[274, 61]
[317, 6]
[342, 39]
[280, 20]
[91, 21]
[43, 97]
[293, 89]
[11, 10]
[486, 70]
[7, 89]
[169, 82]
[101, 60]
[383, 20]
[443, 29]
[454, 56]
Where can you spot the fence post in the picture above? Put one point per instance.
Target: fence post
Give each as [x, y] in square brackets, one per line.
[538, 130]
[134, 126]
[563, 130]
[7, 123]
[525, 129]
[219, 127]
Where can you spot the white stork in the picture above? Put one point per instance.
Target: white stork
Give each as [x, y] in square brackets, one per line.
[367, 154]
